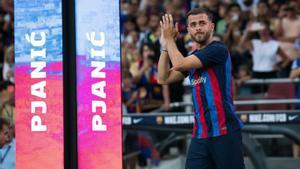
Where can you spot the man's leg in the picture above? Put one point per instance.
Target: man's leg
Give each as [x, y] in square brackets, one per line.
[227, 151]
[198, 155]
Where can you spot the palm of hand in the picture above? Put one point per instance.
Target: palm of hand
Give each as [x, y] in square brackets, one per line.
[168, 29]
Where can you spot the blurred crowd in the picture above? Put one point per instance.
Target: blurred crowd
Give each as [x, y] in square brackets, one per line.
[7, 141]
[263, 37]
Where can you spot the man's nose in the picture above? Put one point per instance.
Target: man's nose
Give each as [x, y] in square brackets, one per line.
[198, 28]
[7, 138]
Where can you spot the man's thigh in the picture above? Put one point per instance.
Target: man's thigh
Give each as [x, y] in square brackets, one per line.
[227, 151]
[198, 155]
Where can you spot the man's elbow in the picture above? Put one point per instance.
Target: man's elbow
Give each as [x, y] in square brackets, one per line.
[162, 81]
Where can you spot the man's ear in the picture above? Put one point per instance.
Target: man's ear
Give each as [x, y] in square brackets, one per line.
[187, 28]
[212, 26]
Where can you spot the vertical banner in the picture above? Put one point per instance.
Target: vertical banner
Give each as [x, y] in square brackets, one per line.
[98, 84]
[39, 84]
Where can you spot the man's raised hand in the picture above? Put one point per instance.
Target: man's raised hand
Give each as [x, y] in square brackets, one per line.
[168, 30]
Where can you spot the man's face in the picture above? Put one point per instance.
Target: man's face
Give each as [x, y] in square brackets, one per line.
[4, 135]
[200, 28]
[154, 22]
[7, 95]
[262, 9]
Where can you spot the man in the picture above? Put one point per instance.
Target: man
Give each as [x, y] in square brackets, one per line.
[7, 101]
[217, 141]
[7, 147]
[287, 30]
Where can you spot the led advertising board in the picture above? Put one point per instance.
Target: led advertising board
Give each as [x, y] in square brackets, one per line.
[39, 84]
[98, 84]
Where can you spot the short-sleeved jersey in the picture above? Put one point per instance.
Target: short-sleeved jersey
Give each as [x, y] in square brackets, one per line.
[212, 94]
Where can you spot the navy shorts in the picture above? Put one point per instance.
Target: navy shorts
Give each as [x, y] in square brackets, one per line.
[222, 152]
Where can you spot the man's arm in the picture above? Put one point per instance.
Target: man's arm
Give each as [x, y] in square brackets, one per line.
[285, 58]
[165, 75]
[166, 96]
[179, 62]
[245, 41]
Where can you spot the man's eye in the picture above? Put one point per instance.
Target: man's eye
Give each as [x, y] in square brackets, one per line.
[202, 23]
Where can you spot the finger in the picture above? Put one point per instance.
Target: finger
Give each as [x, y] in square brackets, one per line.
[176, 30]
[167, 20]
[164, 21]
[161, 26]
[176, 27]
[171, 20]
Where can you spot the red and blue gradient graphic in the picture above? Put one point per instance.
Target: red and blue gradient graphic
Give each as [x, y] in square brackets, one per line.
[98, 84]
[39, 85]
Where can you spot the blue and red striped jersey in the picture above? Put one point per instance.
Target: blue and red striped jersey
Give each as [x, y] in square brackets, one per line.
[212, 93]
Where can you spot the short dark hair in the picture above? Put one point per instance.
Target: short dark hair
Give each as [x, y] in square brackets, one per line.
[3, 122]
[266, 23]
[264, 2]
[149, 45]
[232, 5]
[5, 84]
[196, 11]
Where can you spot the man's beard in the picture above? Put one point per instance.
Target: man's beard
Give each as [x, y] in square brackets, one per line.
[201, 39]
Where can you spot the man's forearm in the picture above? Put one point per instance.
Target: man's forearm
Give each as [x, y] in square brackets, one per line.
[174, 54]
[166, 97]
[163, 67]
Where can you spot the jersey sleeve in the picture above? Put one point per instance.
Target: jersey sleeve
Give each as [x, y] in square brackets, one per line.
[212, 55]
